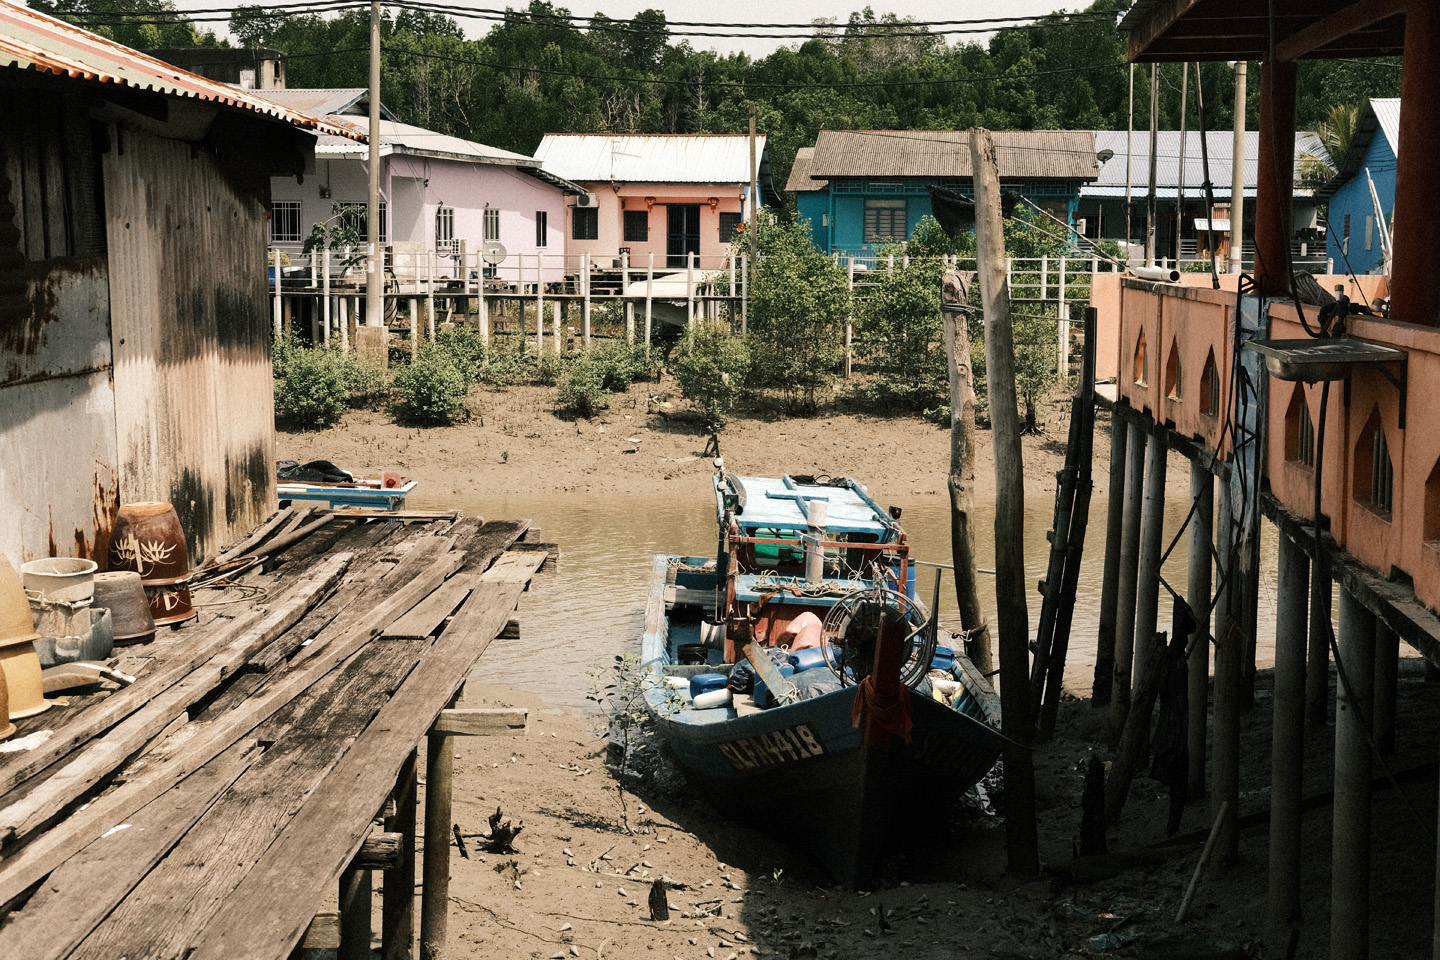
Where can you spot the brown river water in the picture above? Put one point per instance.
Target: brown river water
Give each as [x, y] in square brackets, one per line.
[574, 623]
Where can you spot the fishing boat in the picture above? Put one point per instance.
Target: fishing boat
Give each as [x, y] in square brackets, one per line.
[323, 482]
[799, 680]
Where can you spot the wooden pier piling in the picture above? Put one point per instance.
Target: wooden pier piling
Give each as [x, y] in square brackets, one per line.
[1350, 862]
[1128, 582]
[1110, 581]
[1229, 650]
[1199, 584]
[1288, 737]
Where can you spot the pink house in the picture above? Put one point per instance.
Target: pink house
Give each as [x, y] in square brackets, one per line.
[663, 195]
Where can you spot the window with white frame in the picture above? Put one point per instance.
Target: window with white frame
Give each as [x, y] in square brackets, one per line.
[285, 222]
[492, 223]
[542, 228]
[444, 226]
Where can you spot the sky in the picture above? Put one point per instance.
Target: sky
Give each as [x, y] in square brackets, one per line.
[760, 11]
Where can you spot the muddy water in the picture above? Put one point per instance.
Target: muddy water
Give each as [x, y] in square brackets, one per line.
[574, 623]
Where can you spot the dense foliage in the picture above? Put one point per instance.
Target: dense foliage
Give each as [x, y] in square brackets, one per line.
[712, 369]
[508, 78]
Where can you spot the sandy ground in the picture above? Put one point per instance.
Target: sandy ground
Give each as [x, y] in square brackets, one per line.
[578, 882]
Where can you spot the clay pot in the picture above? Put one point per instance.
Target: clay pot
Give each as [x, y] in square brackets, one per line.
[89, 636]
[6, 727]
[122, 593]
[169, 602]
[16, 625]
[59, 579]
[21, 666]
[147, 538]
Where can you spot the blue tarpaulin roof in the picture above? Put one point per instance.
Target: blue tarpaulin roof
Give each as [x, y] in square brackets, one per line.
[777, 504]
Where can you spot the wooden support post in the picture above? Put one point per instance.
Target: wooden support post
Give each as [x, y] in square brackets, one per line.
[325, 293]
[354, 914]
[1225, 770]
[630, 322]
[1152, 530]
[397, 912]
[850, 321]
[1317, 664]
[482, 305]
[555, 327]
[733, 280]
[429, 295]
[1064, 326]
[275, 306]
[585, 302]
[539, 304]
[1387, 678]
[649, 299]
[690, 291]
[744, 297]
[1197, 594]
[1110, 579]
[1350, 864]
[435, 894]
[1129, 579]
[414, 327]
[1288, 726]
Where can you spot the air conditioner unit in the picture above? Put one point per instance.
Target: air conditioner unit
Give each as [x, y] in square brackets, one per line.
[586, 200]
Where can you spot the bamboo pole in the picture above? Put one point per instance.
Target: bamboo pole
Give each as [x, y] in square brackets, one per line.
[1022, 840]
[953, 298]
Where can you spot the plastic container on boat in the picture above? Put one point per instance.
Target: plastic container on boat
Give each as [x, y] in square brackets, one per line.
[763, 697]
[712, 698]
[943, 659]
[59, 579]
[706, 682]
[807, 659]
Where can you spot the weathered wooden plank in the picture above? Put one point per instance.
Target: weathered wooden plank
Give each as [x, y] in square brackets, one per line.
[429, 613]
[270, 909]
[323, 932]
[77, 896]
[511, 630]
[482, 722]
[50, 849]
[255, 537]
[379, 851]
[310, 735]
[551, 551]
[493, 539]
[141, 717]
[514, 566]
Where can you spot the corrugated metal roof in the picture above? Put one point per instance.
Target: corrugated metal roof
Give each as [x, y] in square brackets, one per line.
[800, 180]
[326, 101]
[402, 138]
[695, 158]
[1377, 116]
[945, 154]
[31, 40]
[1219, 145]
[1388, 113]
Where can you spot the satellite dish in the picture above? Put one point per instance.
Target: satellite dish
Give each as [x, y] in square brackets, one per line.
[493, 252]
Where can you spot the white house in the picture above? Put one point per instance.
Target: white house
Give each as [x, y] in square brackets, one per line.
[666, 195]
[437, 192]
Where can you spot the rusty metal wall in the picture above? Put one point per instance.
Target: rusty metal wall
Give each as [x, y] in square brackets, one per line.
[194, 402]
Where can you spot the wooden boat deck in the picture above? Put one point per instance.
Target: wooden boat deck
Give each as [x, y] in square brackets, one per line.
[246, 764]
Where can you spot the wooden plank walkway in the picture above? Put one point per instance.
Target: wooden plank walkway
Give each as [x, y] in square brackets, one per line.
[210, 809]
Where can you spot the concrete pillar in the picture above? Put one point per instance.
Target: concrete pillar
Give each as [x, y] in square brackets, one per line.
[1350, 863]
[1387, 677]
[1110, 582]
[1288, 743]
[1229, 648]
[1415, 297]
[1197, 594]
[1275, 165]
[1129, 579]
[1317, 667]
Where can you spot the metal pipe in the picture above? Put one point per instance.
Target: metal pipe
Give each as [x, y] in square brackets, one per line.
[1162, 274]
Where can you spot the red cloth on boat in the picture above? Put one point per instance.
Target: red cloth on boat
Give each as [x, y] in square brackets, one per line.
[889, 714]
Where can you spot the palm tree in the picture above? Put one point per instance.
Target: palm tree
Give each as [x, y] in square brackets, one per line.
[1334, 133]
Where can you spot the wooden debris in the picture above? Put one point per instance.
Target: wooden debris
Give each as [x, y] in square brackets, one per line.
[502, 834]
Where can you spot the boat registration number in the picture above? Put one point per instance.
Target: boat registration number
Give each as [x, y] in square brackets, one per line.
[773, 748]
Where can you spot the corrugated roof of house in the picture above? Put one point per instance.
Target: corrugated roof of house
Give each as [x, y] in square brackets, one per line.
[326, 101]
[1219, 144]
[30, 40]
[945, 154]
[402, 138]
[1377, 116]
[697, 158]
[800, 180]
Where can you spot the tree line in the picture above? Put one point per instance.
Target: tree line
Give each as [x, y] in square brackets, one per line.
[542, 69]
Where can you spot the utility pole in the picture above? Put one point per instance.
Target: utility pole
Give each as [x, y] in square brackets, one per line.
[1180, 182]
[1129, 154]
[1150, 204]
[1237, 173]
[374, 270]
[754, 194]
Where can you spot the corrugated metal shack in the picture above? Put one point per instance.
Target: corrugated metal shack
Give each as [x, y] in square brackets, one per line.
[134, 336]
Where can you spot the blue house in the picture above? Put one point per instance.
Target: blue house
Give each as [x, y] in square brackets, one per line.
[1354, 238]
[862, 189]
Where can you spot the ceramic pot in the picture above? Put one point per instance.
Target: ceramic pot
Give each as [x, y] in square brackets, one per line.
[21, 665]
[60, 579]
[16, 625]
[92, 639]
[6, 727]
[147, 538]
[122, 593]
[169, 602]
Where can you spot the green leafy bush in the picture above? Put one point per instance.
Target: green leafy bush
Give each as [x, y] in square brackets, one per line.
[901, 336]
[466, 347]
[619, 364]
[431, 390]
[712, 369]
[581, 390]
[507, 367]
[548, 369]
[365, 380]
[312, 391]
